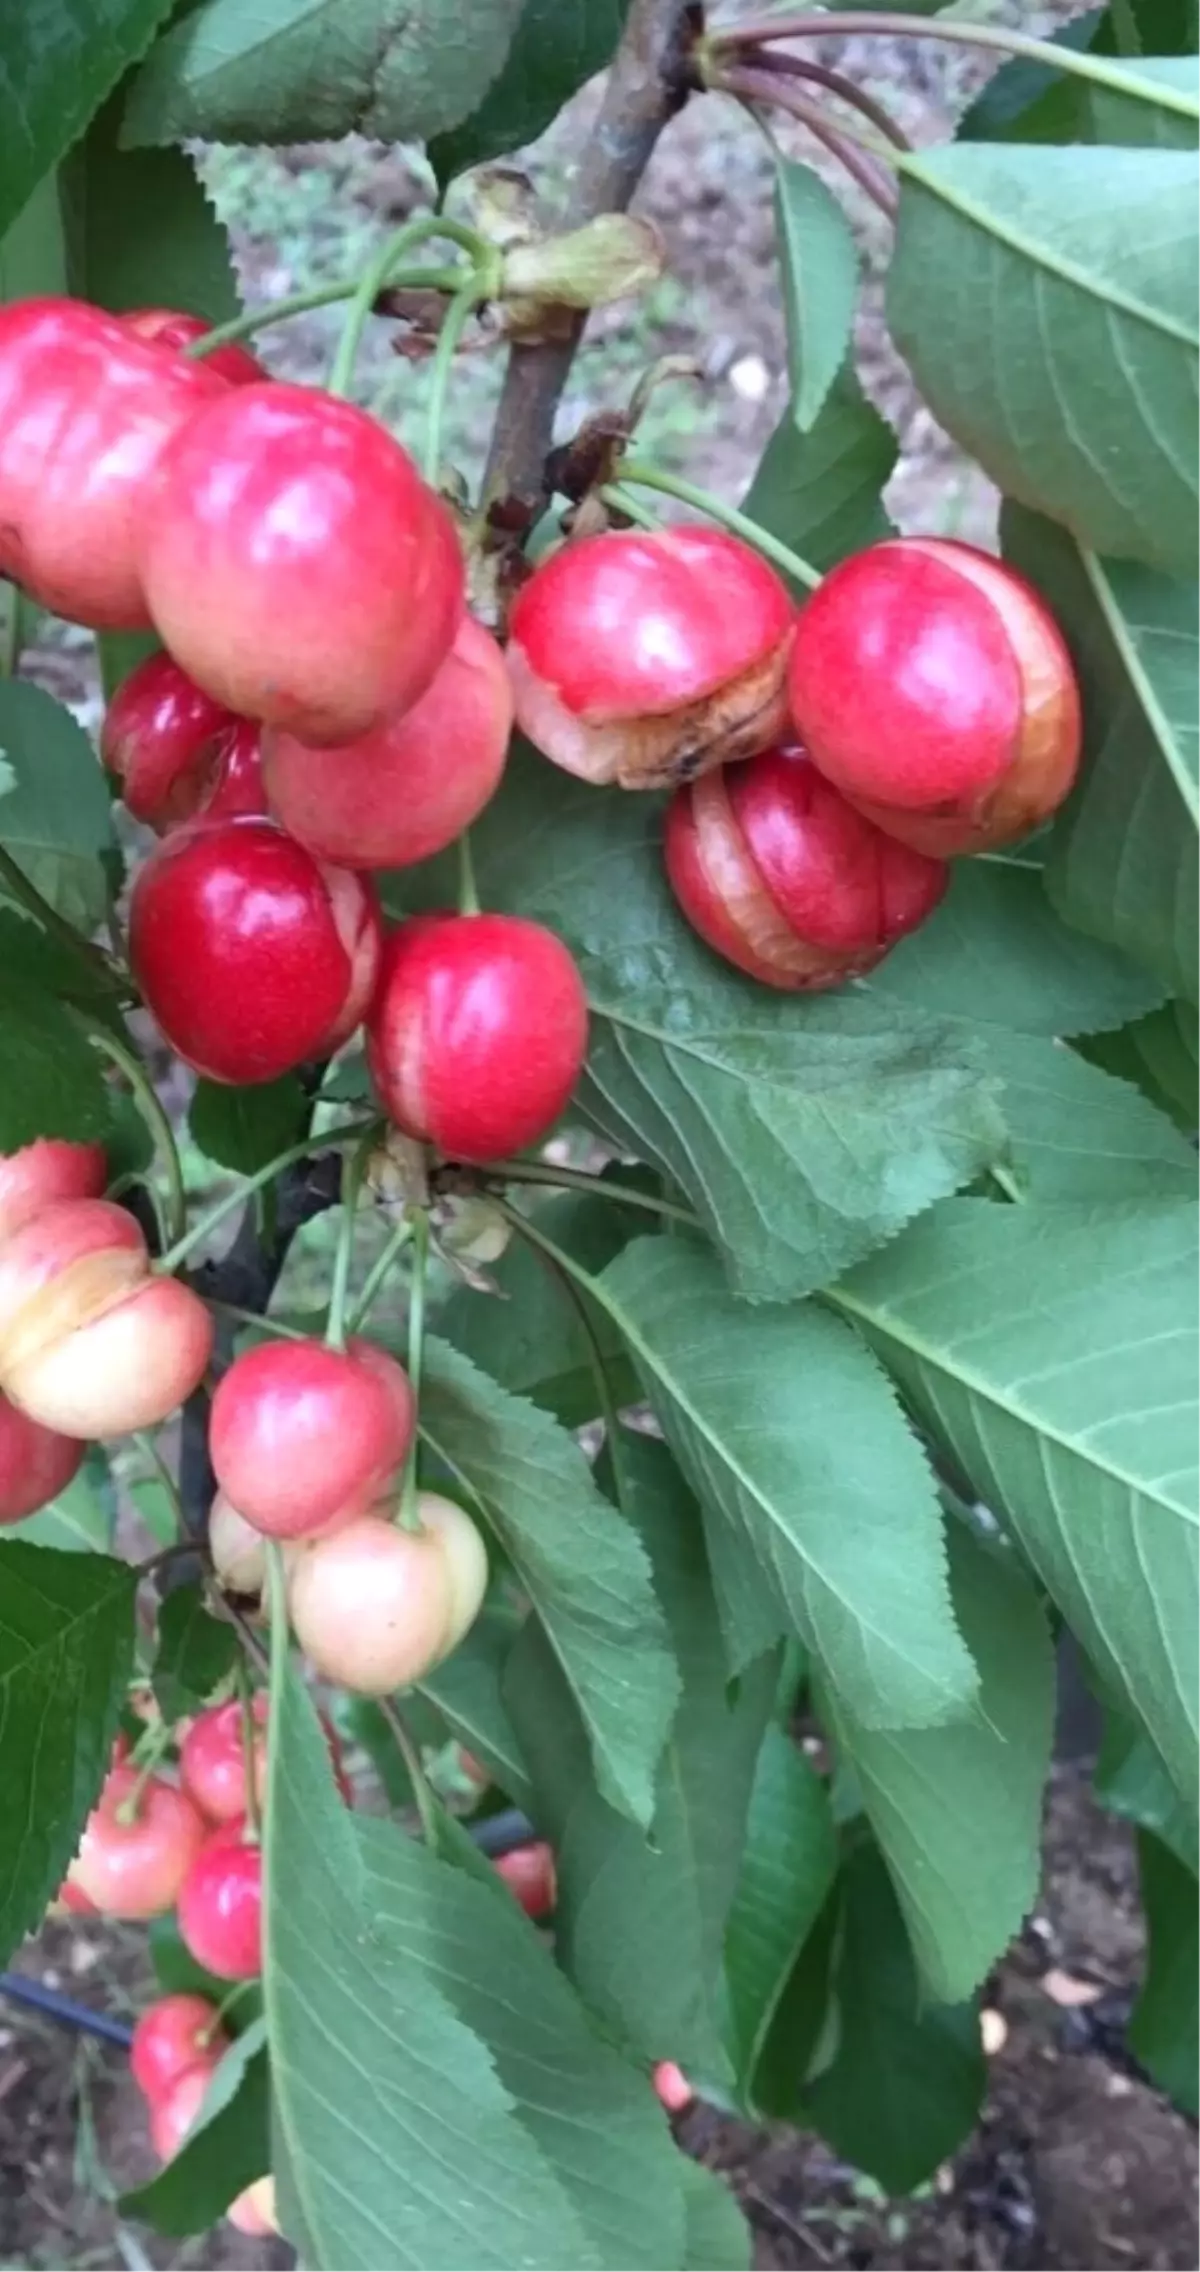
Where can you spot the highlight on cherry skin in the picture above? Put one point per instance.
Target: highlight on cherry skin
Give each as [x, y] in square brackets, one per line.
[302, 1436]
[477, 1033]
[412, 784]
[645, 659]
[295, 563]
[92, 1342]
[220, 1903]
[212, 1758]
[932, 685]
[233, 911]
[375, 1606]
[174, 752]
[141, 1841]
[782, 877]
[172, 2035]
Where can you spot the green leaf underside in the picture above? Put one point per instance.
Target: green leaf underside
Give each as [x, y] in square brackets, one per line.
[1078, 1134]
[467, 1691]
[195, 1652]
[57, 821]
[788, 1867]
[556, 46]
[819, 265]
[1160, 1053]
[1032, 102]
[60, 61]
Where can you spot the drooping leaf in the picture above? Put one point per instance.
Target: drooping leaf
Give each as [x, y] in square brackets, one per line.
[556, 46]
[61, 58]
[141, 231]
[1161, 1052]
[821, 492]
[467, 1691]
[244, 1128]
[580, 1563]
[1045, 300]
[849, 1546]
[819, 266]
[957, 1810]
[1162, 2026]
[57, 820]
[229, 2148]
[1079, 1134]
[66, 1649]
[788, 1867]
[1050, 1349]
[195, 1652]
[311, 70]
[1130, 1780]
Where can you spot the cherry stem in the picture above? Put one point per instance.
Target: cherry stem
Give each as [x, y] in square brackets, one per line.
[454, 323]
[329, 1139]
[604, 1391]
[577, 1179]
[409, 1519]
[339, 1289]
[379, 273]
[645, 476]
[150, 1451]
[155, 1742]
[410, 1754]
[621, 502]
[468, 889]
[19, 888]
[398, 1239]
[269, 1325]
[836, 83]
[232, 1996]
[154, 1113]
[249, 1759]
[254, 320]
[851, 150]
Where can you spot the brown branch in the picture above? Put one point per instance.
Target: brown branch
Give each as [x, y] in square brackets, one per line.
[648, 83]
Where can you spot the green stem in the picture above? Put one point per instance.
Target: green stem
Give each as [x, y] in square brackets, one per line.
[577, 1179]
[860, 155]
[1008, 1185]
[606, 1401]
[379, 273]
[153, 1112]
[269, 1325]
[454, 323]
[149, 1450]
[669, 485]
[245, 1696]
[397, 1241]
[254, 320]
[410, 1754]
[156, 1741]
[468, 889]
[307, 1148]
[416, 1355]
[339, 1289]
[231, 1997]
[640, 515]
[18, 886]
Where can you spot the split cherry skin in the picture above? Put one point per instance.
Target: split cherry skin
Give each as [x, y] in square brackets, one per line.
[297, 566]
[251, 955]
[932, 686]
[477, 1033]
[174, 752]
[303, 1436]
[785, 879]
[647, 659]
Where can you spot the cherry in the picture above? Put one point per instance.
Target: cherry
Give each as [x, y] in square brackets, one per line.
[528, 1872]
[173, 2035]
[411, 785]
[781, 876]
[239, 1554]
[672, 2087]
[35, 1463]
[48, 1169]
[91, 1342]
[374, 1607]
[220, 1904]
[138, 1848]
[174, 752]
[170, 327]
[932, 685]
[174, 2115]
[646, 659]
[297, 566]
[303, 1436]
[477, 1033]
[212, 1759]
[253, 2211]
[251, 955]
[86, 410]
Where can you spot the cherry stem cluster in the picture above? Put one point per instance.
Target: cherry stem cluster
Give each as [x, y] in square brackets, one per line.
[766, 85]
[327, 1141]
[398, 1239]
[380, 273]
[577, 1179]
[157, 1120]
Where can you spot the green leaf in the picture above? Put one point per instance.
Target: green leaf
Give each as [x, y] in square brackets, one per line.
[788, 1867]
[718, 2239]
[141, 229]
[66, 1651]
[53, 1083]
[957, 1811]
[1162, 2028]
[580, 1563]
[1045, 301]
[312, 70]
[1161, 1053]
[819, 263]
[1051, 1351]
[821, 492]
[803, 1131]
[556, 46]
[33, 257]
[61, 58]
[82, 1518]
[195, 1652]
[244, 1128]
[57, 821]
[850, 1547]
[1031, 102]
[907, 2078]
[178, 1974]
[640, 1920]
[1130, 1780]
[467, 1691]
[590, 2116]
[1122, 862]
[229, 2148]
[34, 957]
[377, 2080]
[803, 2027]
[1079, 1134]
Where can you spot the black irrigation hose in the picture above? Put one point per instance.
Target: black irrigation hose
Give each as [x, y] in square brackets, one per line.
[499, 1834]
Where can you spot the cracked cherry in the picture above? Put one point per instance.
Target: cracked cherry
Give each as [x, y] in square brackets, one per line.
[477, 1033]
[646, 659]
[36, 1463]
[174, 752]
[303, 1436]
[86, 411]
[138, 1847]
[411, 785]
[174, 2034]
[374, 1606]
[785, 879]
[251, 955]
[171, 327]
[297, 566]
[933, 687]
[220, 1904]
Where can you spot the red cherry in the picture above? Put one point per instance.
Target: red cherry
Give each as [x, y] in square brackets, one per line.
[170, 327]
[251, 955]
[784, 878]
[932, 685]
[672, 2087]
[46, 1170]
[35, 1463]
[303, 1436]
[477, 1033]
[374, 1607]
[135, 1868]
[296, 564]
[646, 659]
[416, 781]
[174, 752]
[529, 1873]
[212, 1759]
[220, 1904]
[175, 2114]
[173, 2035]
[91, 1343]
[86, 410]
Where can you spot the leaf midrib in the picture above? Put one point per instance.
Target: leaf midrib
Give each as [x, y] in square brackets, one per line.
[1122, 637]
